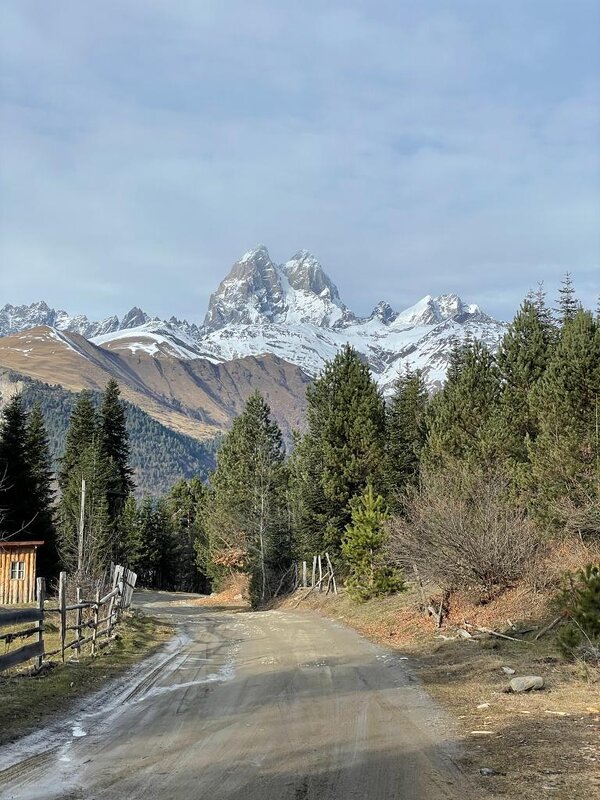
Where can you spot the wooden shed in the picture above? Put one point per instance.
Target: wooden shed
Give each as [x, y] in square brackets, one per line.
[17, 572]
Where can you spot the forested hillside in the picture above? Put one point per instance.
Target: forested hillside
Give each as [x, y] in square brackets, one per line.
[159, 456]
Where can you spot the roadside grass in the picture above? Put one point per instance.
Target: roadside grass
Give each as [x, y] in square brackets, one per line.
[28, 701]
[542, 744]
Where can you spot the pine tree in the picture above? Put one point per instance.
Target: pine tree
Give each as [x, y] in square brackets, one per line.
[344, 447]
[82, 431]
[245, 520]
[39, 461]
[93, 467]
[115, 444]
[568, 306]
[405, 432]
[460, 417]
[522, 360]
[565, 455]
[362, 548]
[84, 459]
[185, 505]
[17, 485]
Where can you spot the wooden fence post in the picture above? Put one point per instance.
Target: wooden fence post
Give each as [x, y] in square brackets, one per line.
[95, 622]
[332, 573]
[320, 575]
[41, 596]
[62, 607]
[304, 576]
[78, 620]
[111, 603]
[314, 571]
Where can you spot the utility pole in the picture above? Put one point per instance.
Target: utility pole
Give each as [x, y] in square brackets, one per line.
[81, 525]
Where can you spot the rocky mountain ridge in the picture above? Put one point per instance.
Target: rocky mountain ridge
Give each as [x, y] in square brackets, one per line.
[293, 311]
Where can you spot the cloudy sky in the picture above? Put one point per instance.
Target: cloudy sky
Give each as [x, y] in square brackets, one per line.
[414, 147]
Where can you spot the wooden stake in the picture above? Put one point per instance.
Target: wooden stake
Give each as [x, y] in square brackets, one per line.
[95, 622]
[41, 596]
[81, 526]
[335, 591]
[304, 575]
[78, 616]
[62, 607]
[320, 575]
[314, 571]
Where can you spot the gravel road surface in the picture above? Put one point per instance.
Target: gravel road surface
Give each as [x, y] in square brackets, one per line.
[276, 705]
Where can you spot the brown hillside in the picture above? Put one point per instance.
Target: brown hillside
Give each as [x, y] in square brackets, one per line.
[195, 397]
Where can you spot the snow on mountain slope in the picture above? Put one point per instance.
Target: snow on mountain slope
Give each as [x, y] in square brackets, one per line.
[14, 319]
[292, 310]
[157, 338]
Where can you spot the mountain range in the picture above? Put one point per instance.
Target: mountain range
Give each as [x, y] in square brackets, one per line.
[292, 312]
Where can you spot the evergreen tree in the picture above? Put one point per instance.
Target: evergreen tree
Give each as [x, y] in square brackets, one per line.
[405, 432]
[565, 455]
[93, 467]
[362, 548]
[154, 556]
[42, 498]
[84, 459]
[17, 485]
[245, 519]
[82, 432]
[114, 440]
[460, 417]
[522, 360]
[568, 305]
[185, 506]
[344, 447]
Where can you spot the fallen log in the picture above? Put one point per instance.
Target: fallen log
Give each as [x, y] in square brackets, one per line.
[491, 632]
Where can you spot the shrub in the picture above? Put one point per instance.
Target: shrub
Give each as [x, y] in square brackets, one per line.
[461, 532]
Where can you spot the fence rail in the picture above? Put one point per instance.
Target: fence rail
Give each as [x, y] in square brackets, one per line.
[87, 631]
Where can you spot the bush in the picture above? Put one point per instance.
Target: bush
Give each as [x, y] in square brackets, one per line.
[580, 599]
[461, 532]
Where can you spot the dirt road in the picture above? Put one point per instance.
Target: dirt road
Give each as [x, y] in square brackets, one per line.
[265, 706]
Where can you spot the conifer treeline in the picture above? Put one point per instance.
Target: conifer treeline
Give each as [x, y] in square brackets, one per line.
[506, 454]
[511, 442]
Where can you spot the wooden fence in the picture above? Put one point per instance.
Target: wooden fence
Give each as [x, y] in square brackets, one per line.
[321, 576]
[88, 620]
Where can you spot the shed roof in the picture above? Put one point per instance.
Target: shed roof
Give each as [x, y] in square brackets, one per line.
[20, 544]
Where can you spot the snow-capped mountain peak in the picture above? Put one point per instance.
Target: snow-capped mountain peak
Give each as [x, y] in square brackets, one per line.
[433, 310]
[258, 291]
[293, 311]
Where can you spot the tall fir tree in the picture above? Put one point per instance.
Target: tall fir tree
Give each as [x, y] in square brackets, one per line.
[98, 537]
[185, 506]
[565, 455]
[522, 360]
[114, 440]
[82, 431]
[460, 417]
[18, 510]
[568, 305]
[344, 447]
[406, 433]
[245, 520]
[84, 460]
[40, 464]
